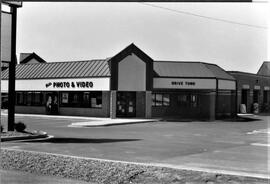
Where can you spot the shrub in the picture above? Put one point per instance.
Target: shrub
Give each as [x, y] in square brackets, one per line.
[20, 127]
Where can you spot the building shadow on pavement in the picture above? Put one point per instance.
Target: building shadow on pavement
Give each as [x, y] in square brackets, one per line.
[78, 140]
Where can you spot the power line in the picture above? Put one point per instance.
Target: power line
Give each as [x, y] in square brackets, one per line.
[206, 17]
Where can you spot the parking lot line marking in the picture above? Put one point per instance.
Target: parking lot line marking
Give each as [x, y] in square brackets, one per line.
[261, 131]
[260, 144]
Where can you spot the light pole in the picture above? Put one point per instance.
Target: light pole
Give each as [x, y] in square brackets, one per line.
[12, 65]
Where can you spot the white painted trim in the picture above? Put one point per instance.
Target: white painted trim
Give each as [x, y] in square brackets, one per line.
[257, 87]
[226, 84]
[245, 86]
[266, 88]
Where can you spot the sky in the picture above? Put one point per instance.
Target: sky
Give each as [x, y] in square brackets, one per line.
[164, 31]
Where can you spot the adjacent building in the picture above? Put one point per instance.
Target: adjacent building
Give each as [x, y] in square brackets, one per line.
[253, 89]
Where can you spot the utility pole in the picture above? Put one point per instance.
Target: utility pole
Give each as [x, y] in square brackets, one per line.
[12, 72]
[12, 63]
[0, 58]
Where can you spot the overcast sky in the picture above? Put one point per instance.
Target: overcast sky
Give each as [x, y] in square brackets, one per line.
[82, 31]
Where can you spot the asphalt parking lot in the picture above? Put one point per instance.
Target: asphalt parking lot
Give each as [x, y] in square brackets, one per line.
[231, 147]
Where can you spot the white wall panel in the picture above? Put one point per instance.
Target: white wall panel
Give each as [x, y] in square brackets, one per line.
[226, 84]
[132, 74]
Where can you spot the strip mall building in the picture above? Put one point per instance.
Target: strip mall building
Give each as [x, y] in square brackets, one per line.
[130, 84]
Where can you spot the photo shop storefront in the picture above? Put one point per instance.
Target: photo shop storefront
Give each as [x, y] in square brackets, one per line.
[129, 84]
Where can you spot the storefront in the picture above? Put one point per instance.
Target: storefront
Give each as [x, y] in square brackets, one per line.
[129, 84]
[192, 89]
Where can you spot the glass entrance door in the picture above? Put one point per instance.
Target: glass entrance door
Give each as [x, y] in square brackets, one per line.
[126, 104]
[244, 96]
[52, 103]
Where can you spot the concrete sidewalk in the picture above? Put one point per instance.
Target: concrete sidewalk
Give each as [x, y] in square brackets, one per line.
[110, 122]
[89, 121]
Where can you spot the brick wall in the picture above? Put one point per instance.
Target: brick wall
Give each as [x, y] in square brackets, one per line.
[252, 80]
[140, 104]
[30, 109]
[225, 104]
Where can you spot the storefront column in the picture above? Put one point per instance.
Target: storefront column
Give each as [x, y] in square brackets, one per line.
[140, 104]
[239, 100]
[148, 104]
[212, 106]
[113, 104]
[250, 101]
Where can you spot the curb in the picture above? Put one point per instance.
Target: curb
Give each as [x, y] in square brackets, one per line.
[109, 124]
[109, 171]
[27, 137]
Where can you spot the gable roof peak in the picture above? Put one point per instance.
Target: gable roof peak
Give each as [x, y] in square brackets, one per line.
[26, 57]
[131, 48]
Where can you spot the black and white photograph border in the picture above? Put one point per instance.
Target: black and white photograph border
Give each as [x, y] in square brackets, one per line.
[128, 91]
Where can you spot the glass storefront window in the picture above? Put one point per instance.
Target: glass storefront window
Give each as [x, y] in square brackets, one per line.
[86, 99]
[81, 99]
[64, 98]
[187, 100]
[166, 100]
[182, 98]
[193, 100]
[96, 99]
[20, 98]
[160, 99]
[29, 98]
[153, 99]
[75, 98]
[37, 98]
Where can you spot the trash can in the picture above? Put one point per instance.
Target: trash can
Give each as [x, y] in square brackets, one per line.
[255, 108]
[243, 108]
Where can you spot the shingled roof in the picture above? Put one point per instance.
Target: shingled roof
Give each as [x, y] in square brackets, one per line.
[264, 69]
[189, 69]
[77, 69]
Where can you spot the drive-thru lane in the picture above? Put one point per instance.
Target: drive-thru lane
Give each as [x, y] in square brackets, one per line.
[230, 147]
